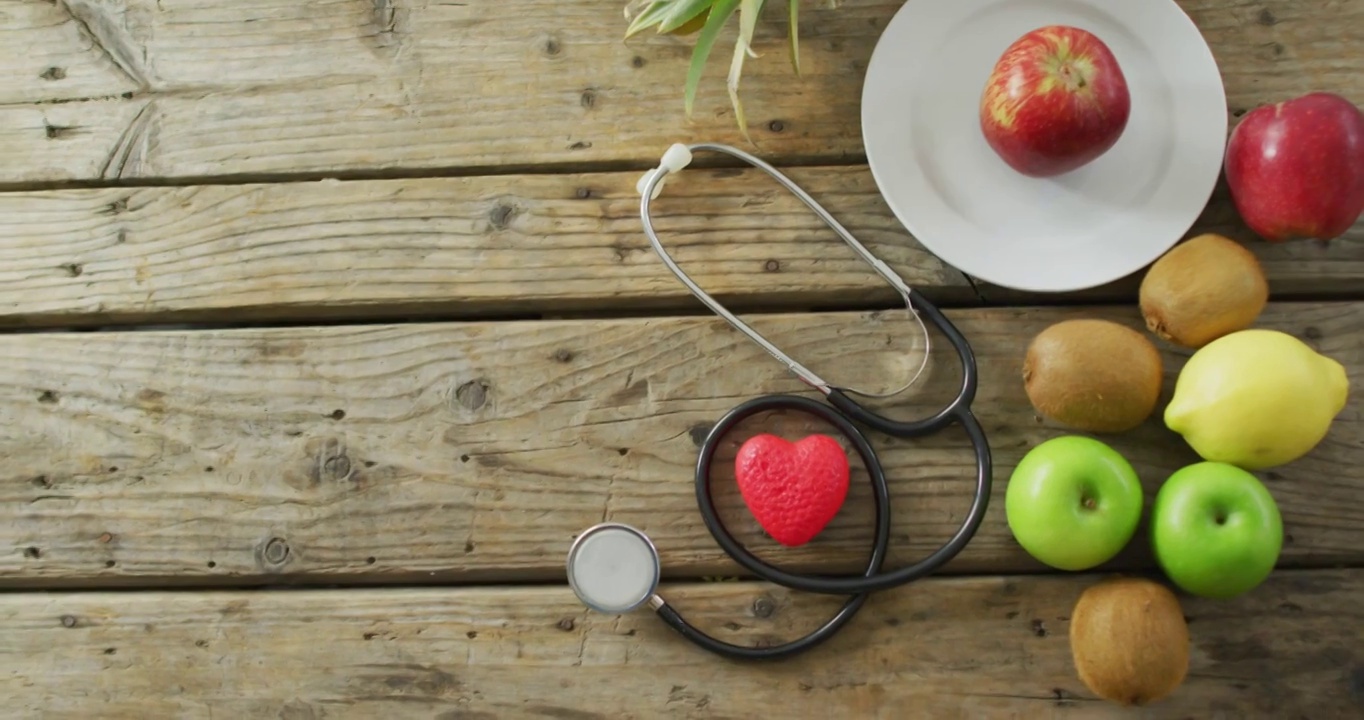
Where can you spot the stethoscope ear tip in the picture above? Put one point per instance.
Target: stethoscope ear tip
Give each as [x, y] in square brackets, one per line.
[677, 157]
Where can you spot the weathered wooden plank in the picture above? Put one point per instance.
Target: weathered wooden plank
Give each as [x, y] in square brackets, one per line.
[467, 245]
[948, 648]
[499, 245]
[479, 450]
[266, 87]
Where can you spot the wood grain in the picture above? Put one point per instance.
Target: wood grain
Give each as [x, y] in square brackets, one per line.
[948, 648]
[404, 248]
[192, 89]
[495, 245]
[477, 451]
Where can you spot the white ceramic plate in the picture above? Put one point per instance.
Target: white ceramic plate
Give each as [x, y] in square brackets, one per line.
[1094, 225]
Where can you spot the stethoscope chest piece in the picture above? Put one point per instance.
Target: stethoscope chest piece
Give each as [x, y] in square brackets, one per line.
[613, 568]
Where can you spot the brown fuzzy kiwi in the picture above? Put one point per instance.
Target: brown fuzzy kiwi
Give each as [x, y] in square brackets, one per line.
[1129, 640]
[1206, 287]
[1093, 375]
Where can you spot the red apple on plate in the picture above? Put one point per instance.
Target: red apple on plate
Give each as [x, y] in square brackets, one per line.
[1296, 168]
[1056, 101]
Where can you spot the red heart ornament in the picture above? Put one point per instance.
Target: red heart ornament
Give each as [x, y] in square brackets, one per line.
[792, 489]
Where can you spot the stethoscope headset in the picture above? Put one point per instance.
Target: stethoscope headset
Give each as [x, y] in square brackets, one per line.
[614, 568]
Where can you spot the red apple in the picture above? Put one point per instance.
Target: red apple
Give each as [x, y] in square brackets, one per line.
[1296, 168]
[1055, 101]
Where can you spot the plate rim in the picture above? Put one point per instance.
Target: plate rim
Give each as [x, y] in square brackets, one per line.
[1204, 195]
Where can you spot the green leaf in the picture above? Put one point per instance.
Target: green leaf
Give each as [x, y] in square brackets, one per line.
[795, 36]
[748, 21]
[705, 40]
[654, 14]
[681, 12]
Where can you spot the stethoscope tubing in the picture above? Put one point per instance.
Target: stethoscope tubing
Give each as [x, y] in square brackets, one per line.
[844, 413]
[873, 581]
[880, 546]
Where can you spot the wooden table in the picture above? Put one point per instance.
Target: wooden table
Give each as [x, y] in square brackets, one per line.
[330, 324]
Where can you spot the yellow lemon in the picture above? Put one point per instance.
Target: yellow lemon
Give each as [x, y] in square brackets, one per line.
[1256, 399]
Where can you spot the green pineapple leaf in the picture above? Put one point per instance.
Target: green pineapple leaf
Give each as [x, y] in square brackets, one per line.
[681, 13]
[719, 14]
[684, 17]
[748, 21]
[652, 15]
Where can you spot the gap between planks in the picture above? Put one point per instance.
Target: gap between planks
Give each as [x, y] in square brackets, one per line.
[707, 161]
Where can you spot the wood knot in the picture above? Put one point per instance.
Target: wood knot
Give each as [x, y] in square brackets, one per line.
[772, 266]
[566, 625]
[1038, 628]
[69, 621]
[500, 216]
[274, 552]
[1312, 332]
[1267, 17]
[55, 131]
[776, 126]
[47, 397]
[552, 46]
[763, 607]
[73, 269]
[336, 467]
[638, 62]
[328, 462]
[699, 432]
[53, 73]
[472, 395]
[563, 355]
[588, 99]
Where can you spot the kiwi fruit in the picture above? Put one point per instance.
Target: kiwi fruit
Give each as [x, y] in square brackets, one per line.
[1093, 375]
[1129, 640]
[1206, 287]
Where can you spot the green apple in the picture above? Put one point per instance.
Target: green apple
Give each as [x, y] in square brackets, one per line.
[1215, 530]
[1073, 502]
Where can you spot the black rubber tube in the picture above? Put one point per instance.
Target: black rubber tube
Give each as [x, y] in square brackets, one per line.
[880, 546]
[872, 579]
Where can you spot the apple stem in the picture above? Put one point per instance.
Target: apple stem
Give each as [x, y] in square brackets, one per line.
[1071, 75]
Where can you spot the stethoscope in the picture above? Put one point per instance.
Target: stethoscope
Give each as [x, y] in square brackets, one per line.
[614, 568]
